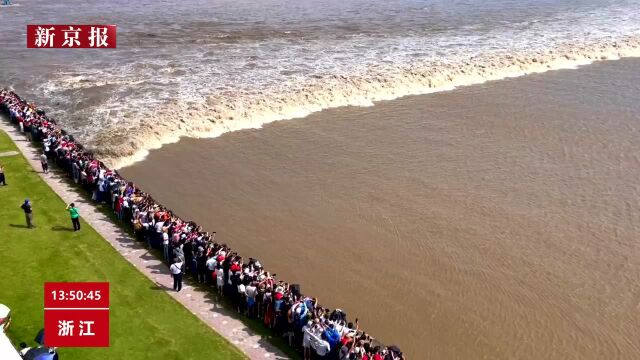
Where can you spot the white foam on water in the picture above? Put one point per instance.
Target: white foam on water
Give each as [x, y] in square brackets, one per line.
[125, 109]
[206, 120]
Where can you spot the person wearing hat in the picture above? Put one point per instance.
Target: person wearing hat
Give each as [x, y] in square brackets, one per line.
[28, 213]
[75, 216]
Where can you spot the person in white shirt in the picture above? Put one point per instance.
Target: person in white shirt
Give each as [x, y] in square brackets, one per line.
[159, 225]
[165, 244]
[157, 240]
[176, 272]
[212, 263]
[306, 340]
[321, 346]
[346, 330]
[211, 267]
[251, 290]
[220, 279]
[242, 293]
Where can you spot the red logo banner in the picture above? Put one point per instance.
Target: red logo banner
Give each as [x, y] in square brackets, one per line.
[76, 314]
[76, 328]
[71, 36]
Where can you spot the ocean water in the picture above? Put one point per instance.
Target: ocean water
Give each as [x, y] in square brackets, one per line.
[198, 68]
[495, 221]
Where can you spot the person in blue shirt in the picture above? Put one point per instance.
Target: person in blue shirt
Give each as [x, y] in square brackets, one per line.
[7, 2]
[332, 336]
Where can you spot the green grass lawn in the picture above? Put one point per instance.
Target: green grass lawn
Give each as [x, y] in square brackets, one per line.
[146, 323]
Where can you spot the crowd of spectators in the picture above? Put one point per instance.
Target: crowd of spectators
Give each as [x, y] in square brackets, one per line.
[315, 331]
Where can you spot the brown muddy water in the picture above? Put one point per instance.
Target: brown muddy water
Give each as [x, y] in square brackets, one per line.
[497, 221]
[198, 68]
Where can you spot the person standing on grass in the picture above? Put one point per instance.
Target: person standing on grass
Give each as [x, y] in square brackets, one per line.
[45, 163]
[75, 216]
[176, 272]
[2, 180]
[28, 213]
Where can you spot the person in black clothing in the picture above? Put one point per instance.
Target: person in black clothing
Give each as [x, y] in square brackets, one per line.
[226, 264]
[2, 180]
[201, 260]
[27, 130]
[187, 249]
[236, 297]
[28, 213]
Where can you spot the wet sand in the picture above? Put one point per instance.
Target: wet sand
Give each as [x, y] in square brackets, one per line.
[497, 221]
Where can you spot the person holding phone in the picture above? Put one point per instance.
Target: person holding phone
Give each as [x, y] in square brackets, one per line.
[75, 216]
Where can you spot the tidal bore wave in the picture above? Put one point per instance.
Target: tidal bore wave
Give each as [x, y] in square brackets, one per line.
[149, 128]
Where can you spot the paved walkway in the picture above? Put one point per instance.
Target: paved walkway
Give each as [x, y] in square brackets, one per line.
[199, 302]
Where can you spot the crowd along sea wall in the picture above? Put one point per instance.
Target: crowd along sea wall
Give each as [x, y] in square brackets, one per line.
[106, 185]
